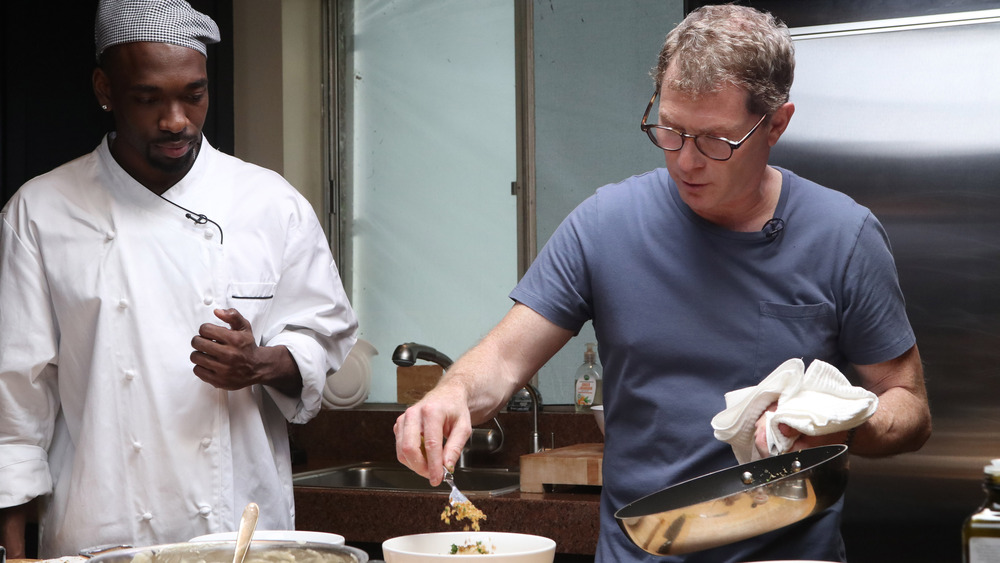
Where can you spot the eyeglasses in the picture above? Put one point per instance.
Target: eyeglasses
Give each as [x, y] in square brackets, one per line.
[670, 139]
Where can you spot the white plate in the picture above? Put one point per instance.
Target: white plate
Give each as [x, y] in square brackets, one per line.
[349, 386]
[277, 535]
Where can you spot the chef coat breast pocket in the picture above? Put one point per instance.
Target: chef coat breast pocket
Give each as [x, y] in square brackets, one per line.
[786, 331]
[252, 300]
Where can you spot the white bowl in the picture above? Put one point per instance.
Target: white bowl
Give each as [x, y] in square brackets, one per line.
[277, 535]
[599, 416]
[425, 548]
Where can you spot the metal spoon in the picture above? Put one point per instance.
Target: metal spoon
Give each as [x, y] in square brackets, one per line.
[248, 523]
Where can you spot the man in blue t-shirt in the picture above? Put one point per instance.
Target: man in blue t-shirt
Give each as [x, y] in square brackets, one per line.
[700, 278]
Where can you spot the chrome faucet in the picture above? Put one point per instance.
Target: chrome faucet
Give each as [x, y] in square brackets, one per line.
[536, 441]
[405, 355]
[482, 439]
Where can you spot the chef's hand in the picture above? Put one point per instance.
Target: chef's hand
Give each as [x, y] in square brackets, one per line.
[229, 358]
[802, 441]
[431, 434]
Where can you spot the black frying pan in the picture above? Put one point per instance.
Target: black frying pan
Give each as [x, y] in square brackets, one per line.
[736, 503]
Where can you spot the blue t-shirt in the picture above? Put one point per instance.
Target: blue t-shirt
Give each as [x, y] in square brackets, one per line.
[685, 311]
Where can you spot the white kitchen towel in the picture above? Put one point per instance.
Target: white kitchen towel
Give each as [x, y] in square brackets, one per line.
[815, 402]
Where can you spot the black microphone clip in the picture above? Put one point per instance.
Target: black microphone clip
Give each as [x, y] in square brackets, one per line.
[773, 228]
[199, 219]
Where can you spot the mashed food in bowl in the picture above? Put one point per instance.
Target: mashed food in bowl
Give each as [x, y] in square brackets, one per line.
[257, 554]
[471, 547]
[498, 546]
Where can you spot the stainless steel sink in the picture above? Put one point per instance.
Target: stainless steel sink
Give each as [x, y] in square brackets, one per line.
[397, 477]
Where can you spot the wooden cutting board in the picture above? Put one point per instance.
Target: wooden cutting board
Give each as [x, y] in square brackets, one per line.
[579, 464]
[413, 382]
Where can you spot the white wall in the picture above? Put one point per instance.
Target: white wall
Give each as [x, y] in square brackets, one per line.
[302, 100]
[257, 106]
[278, 101]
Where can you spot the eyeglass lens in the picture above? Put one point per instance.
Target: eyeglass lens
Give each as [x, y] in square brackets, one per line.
[671, 140]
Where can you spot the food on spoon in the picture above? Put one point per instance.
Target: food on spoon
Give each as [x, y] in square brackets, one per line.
[463, 511]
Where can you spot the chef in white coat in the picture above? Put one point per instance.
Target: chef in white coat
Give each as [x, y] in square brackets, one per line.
[164, 309]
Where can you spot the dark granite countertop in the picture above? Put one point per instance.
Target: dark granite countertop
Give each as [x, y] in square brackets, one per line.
[371, 517]
[365, 518]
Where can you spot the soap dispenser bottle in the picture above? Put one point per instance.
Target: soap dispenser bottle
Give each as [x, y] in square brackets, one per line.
[981, 533]
[587, 391]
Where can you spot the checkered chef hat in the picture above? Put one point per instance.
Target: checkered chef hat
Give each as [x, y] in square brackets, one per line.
[160, 21]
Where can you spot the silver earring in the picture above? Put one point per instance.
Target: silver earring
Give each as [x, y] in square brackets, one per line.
[105, 107]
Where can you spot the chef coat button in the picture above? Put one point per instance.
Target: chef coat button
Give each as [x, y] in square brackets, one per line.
[129, 375]
[208, 300]
[123, 303]
[209, 233]
[110, 235]
[147, 516]
[205, 510]
[137, 446]
[206, 442]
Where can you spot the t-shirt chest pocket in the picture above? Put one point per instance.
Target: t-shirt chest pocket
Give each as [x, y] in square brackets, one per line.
[794, 331]
[252, 300]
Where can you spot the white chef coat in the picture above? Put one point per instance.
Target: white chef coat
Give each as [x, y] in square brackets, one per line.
[103, 284]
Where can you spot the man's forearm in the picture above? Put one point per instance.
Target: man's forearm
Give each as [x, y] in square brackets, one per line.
[506, 359]
[901, 424]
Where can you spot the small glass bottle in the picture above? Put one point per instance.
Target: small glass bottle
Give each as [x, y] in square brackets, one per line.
[588, 384]
[981, 533]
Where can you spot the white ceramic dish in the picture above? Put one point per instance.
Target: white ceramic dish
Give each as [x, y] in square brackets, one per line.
[277, 535]
[507, 547]
[598, 411]
[349, 386]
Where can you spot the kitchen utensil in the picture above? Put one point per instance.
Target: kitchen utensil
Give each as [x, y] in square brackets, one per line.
[736, 503]
[222, 552]
[456, 495]
[506, 547]
[248, 523]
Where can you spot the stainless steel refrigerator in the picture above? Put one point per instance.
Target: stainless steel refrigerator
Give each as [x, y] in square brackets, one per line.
[904, 116]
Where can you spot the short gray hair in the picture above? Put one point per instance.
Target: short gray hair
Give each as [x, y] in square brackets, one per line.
[728, 44]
